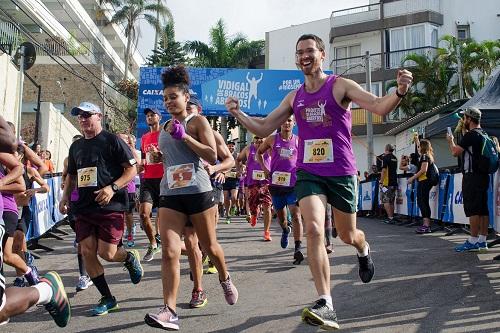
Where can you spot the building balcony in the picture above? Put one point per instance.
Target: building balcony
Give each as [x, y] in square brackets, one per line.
[384, 15]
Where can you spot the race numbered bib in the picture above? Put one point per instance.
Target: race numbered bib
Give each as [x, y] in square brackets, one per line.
[182, 175]
[286, 153]
[87, 177]
[231, 174]
[258, 175]
[318, 151]
[281, 178]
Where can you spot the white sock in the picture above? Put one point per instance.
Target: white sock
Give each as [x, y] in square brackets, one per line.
[44, 291]
[365, 251]
[481, 238]
[328, 299]
[472, 240]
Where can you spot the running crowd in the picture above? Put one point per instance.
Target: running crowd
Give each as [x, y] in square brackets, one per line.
[186, 171]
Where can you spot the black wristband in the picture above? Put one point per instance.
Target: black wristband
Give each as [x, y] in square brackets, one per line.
[400, 95]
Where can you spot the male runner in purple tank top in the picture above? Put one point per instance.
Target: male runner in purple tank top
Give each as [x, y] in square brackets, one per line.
[283, 148]
[326, 168]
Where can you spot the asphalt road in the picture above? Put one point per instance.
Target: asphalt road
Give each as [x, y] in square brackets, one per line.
[420, 285]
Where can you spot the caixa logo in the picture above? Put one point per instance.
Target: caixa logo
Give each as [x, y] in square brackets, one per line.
[42, 205]
[459, 198]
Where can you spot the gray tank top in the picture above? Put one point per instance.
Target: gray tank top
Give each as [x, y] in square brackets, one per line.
[184, 172]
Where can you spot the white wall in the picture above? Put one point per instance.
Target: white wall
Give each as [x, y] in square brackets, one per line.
[56, 133]
[360, 148]
[280, 44]
[481, 15]
[8, 89]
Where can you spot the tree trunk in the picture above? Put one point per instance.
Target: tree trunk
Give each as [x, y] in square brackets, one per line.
[223, 128]
[127, 53]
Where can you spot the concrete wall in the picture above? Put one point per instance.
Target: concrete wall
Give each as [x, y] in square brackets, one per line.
[360, 148]
[56, 133]
[280, 44]
[8, 89]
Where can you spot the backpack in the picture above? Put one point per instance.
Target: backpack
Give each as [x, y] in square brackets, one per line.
[433, 174]
[487, 161]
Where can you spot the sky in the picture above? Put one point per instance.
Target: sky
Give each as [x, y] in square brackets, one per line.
[254, 18]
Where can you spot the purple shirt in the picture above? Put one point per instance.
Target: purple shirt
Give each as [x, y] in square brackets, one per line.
[8, 201]
[131, 186]
[74, 195]
[254, 168]
[325, 143]
[284, 161]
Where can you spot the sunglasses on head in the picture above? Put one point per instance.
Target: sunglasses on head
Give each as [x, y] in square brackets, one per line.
[85, 114]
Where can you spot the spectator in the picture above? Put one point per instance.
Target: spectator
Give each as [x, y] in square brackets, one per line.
[38, 150]
[474, 183]
[497, 145]
[366, 175]
[409, 164]
[46, 154]
[374, 175]
[424, 185]
[389, 182]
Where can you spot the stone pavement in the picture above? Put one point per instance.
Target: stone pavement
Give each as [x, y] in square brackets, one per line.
[420, 285]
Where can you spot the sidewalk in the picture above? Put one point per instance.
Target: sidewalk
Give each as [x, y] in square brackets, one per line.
[420, 285]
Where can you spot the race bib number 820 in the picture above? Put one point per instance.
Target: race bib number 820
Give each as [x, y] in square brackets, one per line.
[318, 151]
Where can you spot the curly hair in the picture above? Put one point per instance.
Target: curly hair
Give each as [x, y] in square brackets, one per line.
[176, 77]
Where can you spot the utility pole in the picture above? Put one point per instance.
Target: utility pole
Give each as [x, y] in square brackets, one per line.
[20, 89]
[369, 118]
[459, 65]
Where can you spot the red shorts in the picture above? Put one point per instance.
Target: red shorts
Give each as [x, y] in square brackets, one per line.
[258, 195]
[106, 226]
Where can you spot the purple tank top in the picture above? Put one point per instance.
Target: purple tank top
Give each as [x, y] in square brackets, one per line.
[254, 169]
[8, 201]
[74, 195]
[284, 161]
[131, 186]
[325, 143]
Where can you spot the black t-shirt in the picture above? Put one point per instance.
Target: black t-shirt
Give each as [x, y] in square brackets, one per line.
[390, 162]
[471, 143]
[427, 175]
[97, 163]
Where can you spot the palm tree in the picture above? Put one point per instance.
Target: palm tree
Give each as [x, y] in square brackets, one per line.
[129, 14]
[224, 51]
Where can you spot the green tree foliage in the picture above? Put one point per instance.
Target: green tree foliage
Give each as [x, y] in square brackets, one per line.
[169, 52]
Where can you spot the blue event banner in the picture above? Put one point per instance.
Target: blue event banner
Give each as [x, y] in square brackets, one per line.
[259, 91]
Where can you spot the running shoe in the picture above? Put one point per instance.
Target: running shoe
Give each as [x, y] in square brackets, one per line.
[211, 269]
[320, 315]
[84, 282]
[204, 259]
[228, 220]
[58, 306]
[230, 291]
[298, 257]
[284, 237]
[267, 236]
[253, 220]
[150, 253]
[424, 229]
[158, 240]
[20, 282]
[467, 246]
[329, 248]
[483, 246]
[198, 299]
[166, 319]
[130, 240]
[105, 306]
[366, 267]
[134, 268]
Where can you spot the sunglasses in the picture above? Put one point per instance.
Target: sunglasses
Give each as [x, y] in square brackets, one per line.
[85, 114]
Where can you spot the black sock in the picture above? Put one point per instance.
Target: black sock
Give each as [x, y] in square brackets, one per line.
[102, 286]
[81, 265]
[297, 245]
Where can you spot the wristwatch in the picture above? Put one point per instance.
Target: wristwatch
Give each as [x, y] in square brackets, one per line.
[114, 187]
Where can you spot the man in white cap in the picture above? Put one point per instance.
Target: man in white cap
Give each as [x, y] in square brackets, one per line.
[100, 165]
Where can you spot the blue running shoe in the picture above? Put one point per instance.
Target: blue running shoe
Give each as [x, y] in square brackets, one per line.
[20, 282]
[134, 267]
[284, 237]
[467, 246]
[105, 306]
[483, 246]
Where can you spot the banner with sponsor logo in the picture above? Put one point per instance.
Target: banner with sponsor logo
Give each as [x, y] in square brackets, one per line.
[259, 91]
[366, 194]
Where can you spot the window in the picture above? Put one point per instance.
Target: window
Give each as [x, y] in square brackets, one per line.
[463, 32]
[399, 40]
[347, 57]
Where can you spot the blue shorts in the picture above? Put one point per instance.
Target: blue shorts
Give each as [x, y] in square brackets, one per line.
[282, 200]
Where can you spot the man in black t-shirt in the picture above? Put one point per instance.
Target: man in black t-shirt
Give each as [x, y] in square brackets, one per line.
[474, 184]
[100, 165]
[389, 182]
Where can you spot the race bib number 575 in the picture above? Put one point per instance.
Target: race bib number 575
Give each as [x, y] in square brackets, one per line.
[318, 151]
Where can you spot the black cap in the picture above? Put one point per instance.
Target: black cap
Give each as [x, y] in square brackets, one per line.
[154, 110]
